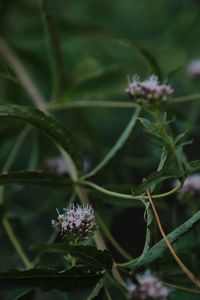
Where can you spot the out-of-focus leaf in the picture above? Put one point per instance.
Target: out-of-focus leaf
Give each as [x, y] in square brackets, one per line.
[117, 146]
[48, 125]
[96, 291]
[107, 81]
[76, 278]
[146, 54]
[36, 178]
[160, 248]
[149, 219]
[193, 166]
[100, 259]
[16, 293]
[153, 180]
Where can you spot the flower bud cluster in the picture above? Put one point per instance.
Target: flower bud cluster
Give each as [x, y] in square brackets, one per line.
[191, 186]
[149, 287]
[76, 223]
[150, 89]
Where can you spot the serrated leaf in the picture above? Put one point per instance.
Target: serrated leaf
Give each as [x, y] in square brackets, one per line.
[35, 178]
[160, 248]
[75, 278]
[99, 259]
[48, 125]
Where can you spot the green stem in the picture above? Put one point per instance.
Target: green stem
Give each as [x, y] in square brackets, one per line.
[108, 234]
[126, 196]
[117, 146]
[56, 59]
[15, 149]
[115, 104]
[92, 104]
[184, 99]
[167, 139]
[16, 243]
[181, 288]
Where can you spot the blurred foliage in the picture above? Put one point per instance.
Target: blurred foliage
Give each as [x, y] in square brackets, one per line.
[96, 45]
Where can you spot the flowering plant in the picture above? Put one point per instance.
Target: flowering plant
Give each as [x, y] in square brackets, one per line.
[118, 162]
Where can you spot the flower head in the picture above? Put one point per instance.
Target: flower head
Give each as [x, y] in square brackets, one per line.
[150, 89]
[59, 165]
[56, 165]
[193, 69]
[190, 186]
[77, 223]
[149, 287]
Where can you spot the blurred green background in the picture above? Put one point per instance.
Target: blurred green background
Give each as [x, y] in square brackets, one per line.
[92, 63]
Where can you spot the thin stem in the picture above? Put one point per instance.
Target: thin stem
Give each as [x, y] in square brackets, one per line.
[16, 243]
[15, 149]
[188, 273]
[184, 99]
[107, 293]
[92, 104]
[112, 240]
[12, 60]
[115, 104]
[56, 61]
[181, 288]
[126, 196]
[167, 139]
[117, 146]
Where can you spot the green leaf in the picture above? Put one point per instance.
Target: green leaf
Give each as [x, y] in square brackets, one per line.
[153, 180]
[16, 293]
[96, 291]
[193, 166]
[48, 125]
[146, 54]
[117, 146]
[160, 248]
[106, 81]
[99, 259]
[149, 219]
[76, 278]
[36, 178]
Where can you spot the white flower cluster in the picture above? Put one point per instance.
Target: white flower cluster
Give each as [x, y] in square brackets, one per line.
[56, 165]
[59, 166]
[149, 287]
[76, 223]
[193, 69]
[150, 89]
[191, 185]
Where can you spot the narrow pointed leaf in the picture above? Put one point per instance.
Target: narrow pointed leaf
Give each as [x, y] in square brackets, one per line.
[35, 178]
[100, 259]
[48, 125]
[160, 248]
[48, 279]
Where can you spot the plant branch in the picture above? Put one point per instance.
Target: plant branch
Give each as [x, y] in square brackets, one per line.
[188, 273]
[12, 60]
[125, 196]
[92, 104]
[56, 61]
[181, 288]
[16, 244]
